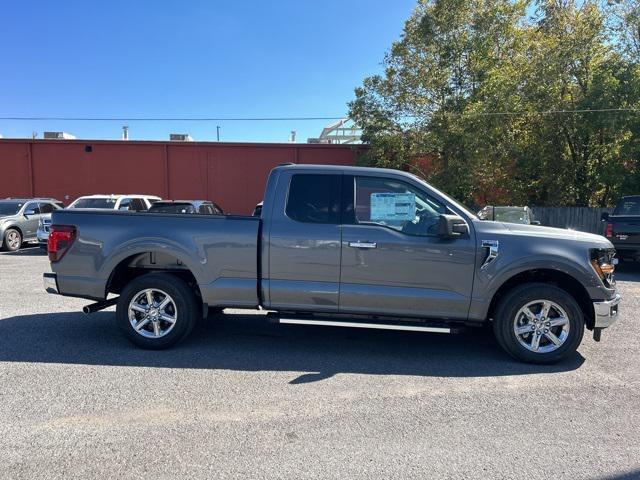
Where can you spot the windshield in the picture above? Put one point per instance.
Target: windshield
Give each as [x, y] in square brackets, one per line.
[109, 203]
[511, 215]
[628, 206]
[172, 208]
[10, 208]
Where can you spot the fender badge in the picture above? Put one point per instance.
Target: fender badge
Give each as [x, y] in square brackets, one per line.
[493, 246]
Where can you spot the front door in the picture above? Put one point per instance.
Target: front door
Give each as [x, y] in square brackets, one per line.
[32, 217]
[393, 261]
[304, 243]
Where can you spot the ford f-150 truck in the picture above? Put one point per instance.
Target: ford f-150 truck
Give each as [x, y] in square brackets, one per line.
[341, 246]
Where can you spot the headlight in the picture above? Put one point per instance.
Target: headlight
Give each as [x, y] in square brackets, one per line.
[603, 262]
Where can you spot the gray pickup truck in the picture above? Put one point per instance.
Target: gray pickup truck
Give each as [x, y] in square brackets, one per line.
[341, 246]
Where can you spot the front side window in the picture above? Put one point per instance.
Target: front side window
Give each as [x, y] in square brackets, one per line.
[314, 198]
[397, 205]
[46, 208]
[125, 204]
[33, 206]
[205, 209]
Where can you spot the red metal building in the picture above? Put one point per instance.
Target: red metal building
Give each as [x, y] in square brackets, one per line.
[231, 174]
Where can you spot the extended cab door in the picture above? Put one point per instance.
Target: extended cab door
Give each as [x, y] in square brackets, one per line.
[303, 270]
[393, 261]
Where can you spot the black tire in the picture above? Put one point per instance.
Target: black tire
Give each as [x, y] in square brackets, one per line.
[15, 245]
[519, 297]
[186, 309]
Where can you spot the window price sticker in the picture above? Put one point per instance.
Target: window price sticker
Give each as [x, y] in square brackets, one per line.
[393, 206]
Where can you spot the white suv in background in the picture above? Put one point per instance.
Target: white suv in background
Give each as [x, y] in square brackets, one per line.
[132, 202]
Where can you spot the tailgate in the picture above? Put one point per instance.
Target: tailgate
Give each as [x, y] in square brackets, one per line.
[626, 229]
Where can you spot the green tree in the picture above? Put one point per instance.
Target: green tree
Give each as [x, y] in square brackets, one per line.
[501, 103]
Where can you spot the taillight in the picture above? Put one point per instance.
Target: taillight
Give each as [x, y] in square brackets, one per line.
[60, 239]
[608, 231]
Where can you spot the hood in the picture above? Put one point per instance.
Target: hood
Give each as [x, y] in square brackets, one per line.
[550, 233]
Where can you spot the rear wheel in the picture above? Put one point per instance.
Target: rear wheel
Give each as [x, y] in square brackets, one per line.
[539, 323]
[157, 310]
[12, 240]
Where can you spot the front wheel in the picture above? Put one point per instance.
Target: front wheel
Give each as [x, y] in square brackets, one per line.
[12, 240]
[539, 323]
[157, 310]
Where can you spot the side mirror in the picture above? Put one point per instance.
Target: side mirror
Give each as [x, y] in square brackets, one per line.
[29, 212]
[535, 222]
[604, 217]
[452, 226]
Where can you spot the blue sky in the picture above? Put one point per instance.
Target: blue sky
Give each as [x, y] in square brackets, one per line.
[189, 59]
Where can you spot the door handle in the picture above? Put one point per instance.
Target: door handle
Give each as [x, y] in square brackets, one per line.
[360, 244]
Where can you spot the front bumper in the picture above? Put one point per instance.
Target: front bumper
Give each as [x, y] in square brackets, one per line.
[50, 282]
[606, 312]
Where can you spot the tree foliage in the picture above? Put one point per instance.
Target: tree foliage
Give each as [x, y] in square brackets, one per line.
[511, 101]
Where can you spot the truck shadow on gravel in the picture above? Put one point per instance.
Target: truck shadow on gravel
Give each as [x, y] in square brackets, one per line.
[250, 343]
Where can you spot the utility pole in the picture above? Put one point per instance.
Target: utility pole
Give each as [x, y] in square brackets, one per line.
[218, 132]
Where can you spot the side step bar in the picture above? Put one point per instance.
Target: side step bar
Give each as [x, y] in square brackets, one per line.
[379, 326]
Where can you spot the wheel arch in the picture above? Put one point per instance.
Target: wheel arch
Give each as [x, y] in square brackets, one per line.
[149, 261]
[560, 279]
[13, 226]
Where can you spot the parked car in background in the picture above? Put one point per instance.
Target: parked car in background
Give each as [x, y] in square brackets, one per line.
[129, 202]
[202, 207]
[623, 227]
[522, 215]
[19, 218]
[343, 247]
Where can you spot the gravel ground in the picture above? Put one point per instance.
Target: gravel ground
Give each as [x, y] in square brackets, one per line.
[246, 399]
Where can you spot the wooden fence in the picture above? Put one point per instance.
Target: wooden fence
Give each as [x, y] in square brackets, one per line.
[585, 219]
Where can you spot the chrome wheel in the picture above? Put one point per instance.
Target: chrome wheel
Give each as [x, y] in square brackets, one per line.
[13, 240]
[541, 326]
[152, 313]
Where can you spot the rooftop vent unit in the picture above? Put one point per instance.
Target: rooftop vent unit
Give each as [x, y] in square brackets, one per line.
[180, 137]
[58, 136]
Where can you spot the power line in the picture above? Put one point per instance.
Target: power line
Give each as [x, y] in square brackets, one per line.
[304, 119]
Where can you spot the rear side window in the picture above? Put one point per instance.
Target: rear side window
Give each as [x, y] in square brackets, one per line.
[314, 198]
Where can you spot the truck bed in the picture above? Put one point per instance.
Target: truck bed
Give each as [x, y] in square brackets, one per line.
[221, 252]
